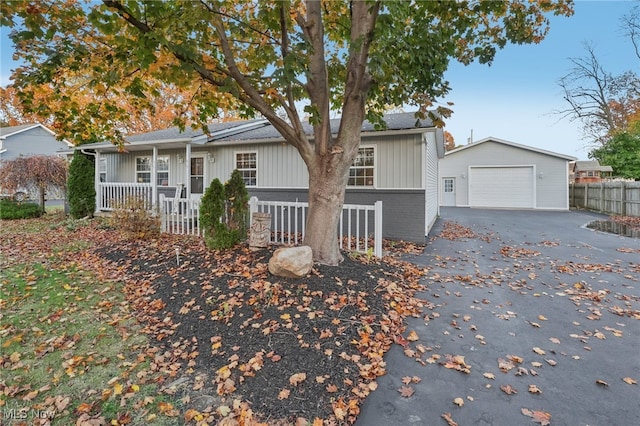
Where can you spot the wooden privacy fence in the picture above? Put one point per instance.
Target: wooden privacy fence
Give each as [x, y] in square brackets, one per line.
[619, 198]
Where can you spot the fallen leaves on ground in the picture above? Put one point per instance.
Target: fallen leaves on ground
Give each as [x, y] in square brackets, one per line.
[541, 417]
[224, 332]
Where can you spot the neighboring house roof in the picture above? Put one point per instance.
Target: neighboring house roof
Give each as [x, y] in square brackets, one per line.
[257, 130]
[6, 132]
[512, 144]
[590, 166]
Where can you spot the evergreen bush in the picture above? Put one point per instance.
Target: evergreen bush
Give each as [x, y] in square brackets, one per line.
[224, 212]
[80, 186]
[10, 209]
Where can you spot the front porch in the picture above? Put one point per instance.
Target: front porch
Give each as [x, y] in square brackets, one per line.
[360, 227]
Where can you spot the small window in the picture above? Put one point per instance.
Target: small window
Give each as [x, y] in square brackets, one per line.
[448, 185]
[246, 164]
[103, 169]
[162, 170]
[363, 168]
[143, 169]
[590, 174]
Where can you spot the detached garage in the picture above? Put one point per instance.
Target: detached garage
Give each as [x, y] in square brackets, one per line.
[494, 173]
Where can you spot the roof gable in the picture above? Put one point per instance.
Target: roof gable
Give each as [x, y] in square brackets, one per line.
[511, 144]
[5, 132]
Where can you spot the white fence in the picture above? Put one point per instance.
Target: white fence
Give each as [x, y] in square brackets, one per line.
[288, 222]
[620, 198]
[113, 194]
[180, 215]
[360, 227]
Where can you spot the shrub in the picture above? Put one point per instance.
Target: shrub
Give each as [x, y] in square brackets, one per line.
[10, 209]
[237, 204]
[133, 219]
[224, 213]
[80, 186]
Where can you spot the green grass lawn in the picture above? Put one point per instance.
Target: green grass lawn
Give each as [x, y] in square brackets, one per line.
[71, 350]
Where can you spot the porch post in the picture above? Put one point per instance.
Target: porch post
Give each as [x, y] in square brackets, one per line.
[154, 178]
[96, 181]
[187, 169]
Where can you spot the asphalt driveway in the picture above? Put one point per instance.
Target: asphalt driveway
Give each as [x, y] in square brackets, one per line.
[530, 318]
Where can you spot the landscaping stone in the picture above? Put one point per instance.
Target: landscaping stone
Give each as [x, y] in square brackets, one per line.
[291, 262]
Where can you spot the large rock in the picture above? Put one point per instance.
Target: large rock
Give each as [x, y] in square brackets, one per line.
[291, 262]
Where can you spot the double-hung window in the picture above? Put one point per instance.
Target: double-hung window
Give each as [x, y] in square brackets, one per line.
[143, 170]
[247, 165]
[162, 171]
[362, 170]
[103, 169]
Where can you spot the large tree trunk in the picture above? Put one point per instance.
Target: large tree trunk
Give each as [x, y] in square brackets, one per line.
[326, 197]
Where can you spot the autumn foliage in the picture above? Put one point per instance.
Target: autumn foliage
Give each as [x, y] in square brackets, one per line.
[39, 173]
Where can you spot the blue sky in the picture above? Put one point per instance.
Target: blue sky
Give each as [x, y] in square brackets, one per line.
[515, 98]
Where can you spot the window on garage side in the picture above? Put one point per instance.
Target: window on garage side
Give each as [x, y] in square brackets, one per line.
[247, 165]
[362, 170]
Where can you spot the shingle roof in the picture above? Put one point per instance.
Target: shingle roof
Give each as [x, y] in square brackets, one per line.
[258, 129]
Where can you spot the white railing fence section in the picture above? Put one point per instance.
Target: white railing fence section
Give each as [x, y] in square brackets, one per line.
[288, 222]
[114, 194]
[180, 215]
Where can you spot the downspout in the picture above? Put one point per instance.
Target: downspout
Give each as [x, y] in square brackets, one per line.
[96, 177]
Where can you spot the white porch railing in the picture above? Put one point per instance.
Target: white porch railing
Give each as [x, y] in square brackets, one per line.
[288, 222]
[180, 215]
[114, 194]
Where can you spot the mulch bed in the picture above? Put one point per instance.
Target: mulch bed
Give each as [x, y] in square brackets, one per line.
[238, 344]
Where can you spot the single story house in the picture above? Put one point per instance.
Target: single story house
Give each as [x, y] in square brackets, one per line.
[588, 171]
[398, 165]
[495, 173]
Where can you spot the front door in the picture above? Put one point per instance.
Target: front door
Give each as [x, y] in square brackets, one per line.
[449, 192]
[196, 175]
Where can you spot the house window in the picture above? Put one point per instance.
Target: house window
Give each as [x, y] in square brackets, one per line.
[247, 165]
[590, 174]
[363, 168]
[103, 169]
[143, 170]
[162, 170]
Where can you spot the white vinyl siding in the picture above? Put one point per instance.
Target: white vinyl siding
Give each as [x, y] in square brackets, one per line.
[431, 181]
[506, 187]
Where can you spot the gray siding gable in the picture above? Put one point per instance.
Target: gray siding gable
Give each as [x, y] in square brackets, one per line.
[510, 144]
[28, 140]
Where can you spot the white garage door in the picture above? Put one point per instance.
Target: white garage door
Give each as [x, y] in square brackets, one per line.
[506, 187]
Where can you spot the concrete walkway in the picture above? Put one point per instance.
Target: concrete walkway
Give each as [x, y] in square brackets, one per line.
[536, 304]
